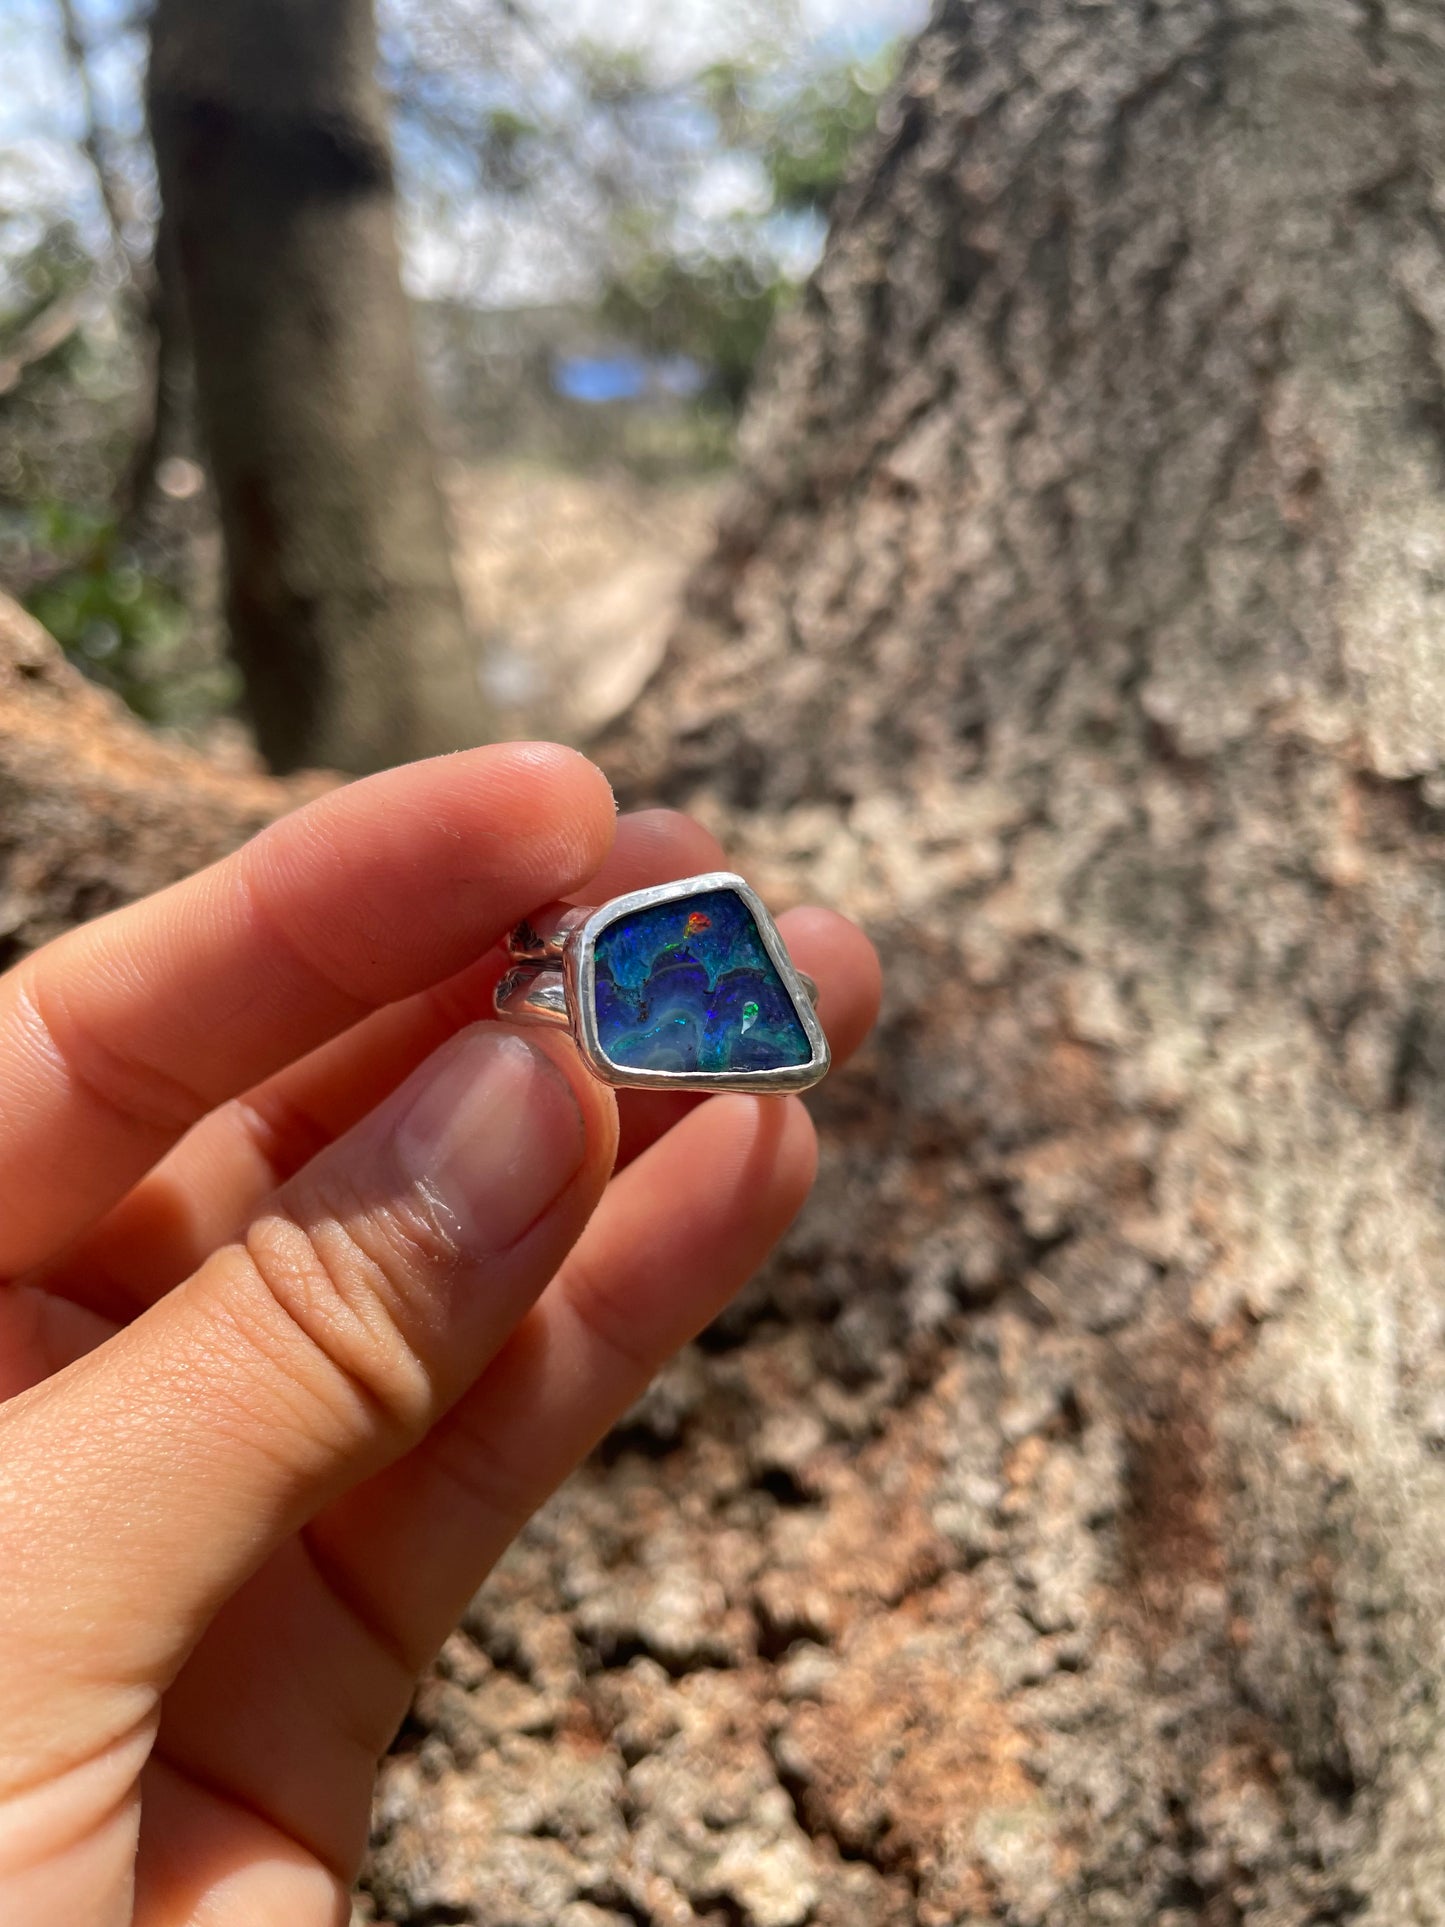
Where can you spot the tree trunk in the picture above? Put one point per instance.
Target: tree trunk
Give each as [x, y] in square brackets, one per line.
[1057, 1534]
[275, 166]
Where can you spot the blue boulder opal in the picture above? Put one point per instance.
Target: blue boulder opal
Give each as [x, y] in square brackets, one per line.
[688, 986]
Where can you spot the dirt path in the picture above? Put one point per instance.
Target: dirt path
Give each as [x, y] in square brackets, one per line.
[571, 582]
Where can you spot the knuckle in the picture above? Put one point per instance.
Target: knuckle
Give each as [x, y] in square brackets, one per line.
[282, 1134]
[113, 1078]
[317, 965]
[355, 1288]
[606, 1320]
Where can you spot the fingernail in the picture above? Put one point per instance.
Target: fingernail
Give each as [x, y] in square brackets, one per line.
[493, 1138]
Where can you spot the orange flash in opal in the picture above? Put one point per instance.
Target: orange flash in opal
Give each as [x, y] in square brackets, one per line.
[696, 922]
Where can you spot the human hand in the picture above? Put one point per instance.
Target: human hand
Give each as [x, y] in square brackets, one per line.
[316, 1288]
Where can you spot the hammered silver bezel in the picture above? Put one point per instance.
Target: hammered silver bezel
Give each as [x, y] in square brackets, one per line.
[579, 961]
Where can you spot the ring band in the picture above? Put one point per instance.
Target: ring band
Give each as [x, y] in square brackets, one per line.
[686, 986]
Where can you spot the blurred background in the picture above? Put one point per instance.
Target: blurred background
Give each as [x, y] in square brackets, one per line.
[601, 208]
[1050, 1536]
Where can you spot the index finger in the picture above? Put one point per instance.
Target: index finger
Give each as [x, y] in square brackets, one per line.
[116, 1039]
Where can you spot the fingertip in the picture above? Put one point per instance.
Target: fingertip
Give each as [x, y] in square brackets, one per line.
[395, 872]
[802, 1135]
[561, 800]
[555, 762]
[652, 846]
[536, 807]
[675, 835]
[765, 1148]
[826, 933]
[798, 1152]
[682, 1229]
[845, 964]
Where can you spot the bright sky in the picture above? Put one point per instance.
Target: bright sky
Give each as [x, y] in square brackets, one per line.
[495, 258]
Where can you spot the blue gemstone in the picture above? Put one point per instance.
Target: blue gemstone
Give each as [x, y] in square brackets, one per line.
[688, 986]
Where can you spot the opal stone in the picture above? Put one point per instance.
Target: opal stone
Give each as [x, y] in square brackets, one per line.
[688, 986]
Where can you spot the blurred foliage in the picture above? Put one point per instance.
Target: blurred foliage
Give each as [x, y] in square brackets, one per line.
[685, 205]
[119, 617]
[93, 595]
[715, 309]
[117, 601]
[804, 129]
[797, 132]
[52, 268]
[60, 371]
[508, 145]
[564, 198]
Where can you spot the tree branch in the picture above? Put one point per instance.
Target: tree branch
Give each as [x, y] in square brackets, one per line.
[114, 195]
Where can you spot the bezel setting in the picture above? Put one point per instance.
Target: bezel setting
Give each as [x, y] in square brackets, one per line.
[579, 962]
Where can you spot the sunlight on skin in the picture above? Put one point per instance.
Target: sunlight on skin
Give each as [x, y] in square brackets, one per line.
[266, 1490]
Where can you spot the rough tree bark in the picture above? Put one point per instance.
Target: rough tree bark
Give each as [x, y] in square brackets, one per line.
[1054, 1535]
[275, 164]
[1057, 1535]
[94, 810]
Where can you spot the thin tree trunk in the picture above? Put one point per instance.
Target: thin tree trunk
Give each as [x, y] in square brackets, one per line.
[115, 197]
[166, 408]
[1057, 1535]
[275, 165]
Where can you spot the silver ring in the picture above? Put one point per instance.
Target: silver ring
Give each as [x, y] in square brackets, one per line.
[686, 987]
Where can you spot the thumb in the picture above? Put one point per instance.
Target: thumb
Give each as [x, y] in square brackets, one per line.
[142, 1485]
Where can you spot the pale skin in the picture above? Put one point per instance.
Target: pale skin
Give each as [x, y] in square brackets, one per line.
[314, 1283]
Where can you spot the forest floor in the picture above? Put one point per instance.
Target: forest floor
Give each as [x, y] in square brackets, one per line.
[571, 581]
